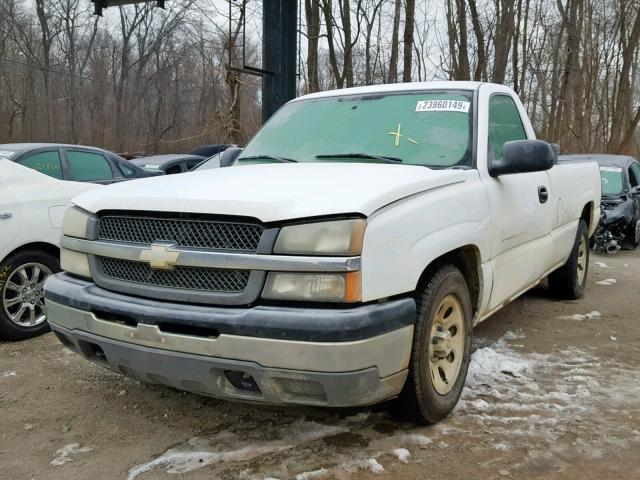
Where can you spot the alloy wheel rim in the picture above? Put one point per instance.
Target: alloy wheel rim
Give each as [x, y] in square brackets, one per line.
[446, 345]
[23, 295]
[582, 260]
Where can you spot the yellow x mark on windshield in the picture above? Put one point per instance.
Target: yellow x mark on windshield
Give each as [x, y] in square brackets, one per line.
[398, 136]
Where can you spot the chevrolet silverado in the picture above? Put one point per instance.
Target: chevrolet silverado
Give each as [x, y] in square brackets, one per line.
[343, 260]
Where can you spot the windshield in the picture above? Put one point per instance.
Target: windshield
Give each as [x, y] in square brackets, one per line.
[612, 180]
[210, 163]
[432, 128]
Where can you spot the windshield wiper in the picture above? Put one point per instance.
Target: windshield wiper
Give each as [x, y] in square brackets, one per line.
[382, 158]
[269, 157]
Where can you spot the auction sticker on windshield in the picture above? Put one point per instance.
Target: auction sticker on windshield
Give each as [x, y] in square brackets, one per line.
[443, 106]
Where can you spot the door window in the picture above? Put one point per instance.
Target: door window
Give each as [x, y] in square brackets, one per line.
[45, 162]
[88, 166]
[193, 163]
[177, 168]
[634, 174]
[126, 170]
[505, 124]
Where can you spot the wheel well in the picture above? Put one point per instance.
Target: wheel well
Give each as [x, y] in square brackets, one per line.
[43, 246]
[467, 260]
[587, 214]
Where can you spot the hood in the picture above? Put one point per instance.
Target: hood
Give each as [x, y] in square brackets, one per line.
[273, 192]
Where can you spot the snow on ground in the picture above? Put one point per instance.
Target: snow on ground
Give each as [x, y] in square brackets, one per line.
[578, 316]
[544, 396]
[8, 374]
[607, 281]
[349, 467]
[402, 454]
[231, 447]
[509, 335]
[510, 395]
[374, 466]
[320, 473]
[603, 265]
[65, 453]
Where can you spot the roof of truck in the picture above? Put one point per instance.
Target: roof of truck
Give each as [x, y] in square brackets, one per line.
[399, 87]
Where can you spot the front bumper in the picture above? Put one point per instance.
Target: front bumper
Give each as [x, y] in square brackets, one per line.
[286, 352]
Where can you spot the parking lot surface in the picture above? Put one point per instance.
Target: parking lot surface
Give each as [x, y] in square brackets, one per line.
[553, 392]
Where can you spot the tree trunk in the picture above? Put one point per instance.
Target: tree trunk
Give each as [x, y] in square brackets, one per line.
[348, 46]
[327, 10]
[312, 11]
[409, 25]
[392, 76]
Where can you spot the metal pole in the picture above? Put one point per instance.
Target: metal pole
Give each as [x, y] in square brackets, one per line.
[279, 49]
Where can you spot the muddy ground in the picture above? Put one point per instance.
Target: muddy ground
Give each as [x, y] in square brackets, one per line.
[553, 392]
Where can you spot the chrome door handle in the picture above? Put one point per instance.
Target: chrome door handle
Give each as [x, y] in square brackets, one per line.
[5, 215]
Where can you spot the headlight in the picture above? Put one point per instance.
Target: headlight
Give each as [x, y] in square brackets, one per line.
[318, 287]
[75, 223]
[339, 237]
[75, 262]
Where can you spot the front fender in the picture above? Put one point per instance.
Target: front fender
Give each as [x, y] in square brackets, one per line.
[401, 241]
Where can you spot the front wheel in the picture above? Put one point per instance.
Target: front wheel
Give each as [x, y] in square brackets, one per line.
[22, 311]
[568, 282]
[441, 348]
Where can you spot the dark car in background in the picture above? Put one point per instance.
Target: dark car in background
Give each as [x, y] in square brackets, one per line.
[169, 164]
[619, 225]
[210, 150]
[78, 163]
[222, 159]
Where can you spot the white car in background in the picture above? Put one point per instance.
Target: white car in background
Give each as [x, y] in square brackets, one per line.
[32, 207]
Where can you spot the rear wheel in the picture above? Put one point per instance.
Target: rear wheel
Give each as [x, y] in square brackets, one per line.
[441, 348]
[22, 310]
[569, 281]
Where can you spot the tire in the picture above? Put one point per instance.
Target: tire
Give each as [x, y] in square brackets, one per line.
[632, 235]
[568, 282]
[445, 300]
[17, 293]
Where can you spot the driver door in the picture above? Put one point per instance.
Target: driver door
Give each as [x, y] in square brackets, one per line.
[521, 211]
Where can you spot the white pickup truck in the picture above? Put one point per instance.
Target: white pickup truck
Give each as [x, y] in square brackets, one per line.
[344, 259]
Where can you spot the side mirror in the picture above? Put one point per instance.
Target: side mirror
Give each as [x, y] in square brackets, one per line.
[635, 190]
[229, 156]
[523, 156]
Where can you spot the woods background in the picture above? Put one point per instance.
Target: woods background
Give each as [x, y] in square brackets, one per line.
[142, 79]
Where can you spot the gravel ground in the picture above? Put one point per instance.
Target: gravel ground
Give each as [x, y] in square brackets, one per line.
[552, 393]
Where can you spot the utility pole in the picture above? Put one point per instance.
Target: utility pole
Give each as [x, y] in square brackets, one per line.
[279, 50]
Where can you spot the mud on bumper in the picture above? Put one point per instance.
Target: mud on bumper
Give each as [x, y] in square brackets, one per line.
[358, 371]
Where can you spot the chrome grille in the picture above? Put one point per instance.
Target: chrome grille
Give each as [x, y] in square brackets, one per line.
[190, 278]
[186, 233]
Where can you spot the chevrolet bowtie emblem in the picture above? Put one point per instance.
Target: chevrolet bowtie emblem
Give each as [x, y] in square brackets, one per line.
[160, 256]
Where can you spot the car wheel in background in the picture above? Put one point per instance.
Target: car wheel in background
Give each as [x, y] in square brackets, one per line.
[22, 310]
